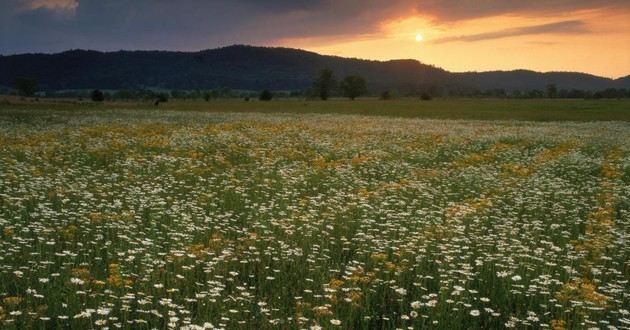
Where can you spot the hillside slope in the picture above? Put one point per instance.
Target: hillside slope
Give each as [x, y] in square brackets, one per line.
[255, 68]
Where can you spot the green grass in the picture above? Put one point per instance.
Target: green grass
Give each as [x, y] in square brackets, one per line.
[478, 109]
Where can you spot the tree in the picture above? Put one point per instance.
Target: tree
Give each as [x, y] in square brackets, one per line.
[98, 96]
[552, 91]
[265, 95]
[325, 84]
[26, 86]
[353, 87]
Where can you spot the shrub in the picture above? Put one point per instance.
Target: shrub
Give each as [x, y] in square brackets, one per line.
[265, 95]
[97, 95]
[426, 96]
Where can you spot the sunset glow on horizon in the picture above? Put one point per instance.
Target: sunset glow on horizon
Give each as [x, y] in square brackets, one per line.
[593, 41]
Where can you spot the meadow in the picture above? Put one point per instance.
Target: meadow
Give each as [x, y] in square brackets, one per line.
[444, 108]
[126, 216]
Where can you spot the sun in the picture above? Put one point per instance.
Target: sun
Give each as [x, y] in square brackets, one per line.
[419, 37]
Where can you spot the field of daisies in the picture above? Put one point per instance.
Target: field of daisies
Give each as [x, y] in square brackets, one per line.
[140, 219]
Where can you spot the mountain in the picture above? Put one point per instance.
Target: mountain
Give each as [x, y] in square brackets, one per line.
[256, 68]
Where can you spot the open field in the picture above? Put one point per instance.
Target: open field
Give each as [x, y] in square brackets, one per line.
[198, 219]
[479, 109]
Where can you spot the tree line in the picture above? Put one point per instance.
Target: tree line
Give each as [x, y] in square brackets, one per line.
[325, 86]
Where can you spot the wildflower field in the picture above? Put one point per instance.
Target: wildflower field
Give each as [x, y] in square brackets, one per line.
[172, 219]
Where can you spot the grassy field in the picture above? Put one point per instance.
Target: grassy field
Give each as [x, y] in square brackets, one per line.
[121, 217]
[479, 109]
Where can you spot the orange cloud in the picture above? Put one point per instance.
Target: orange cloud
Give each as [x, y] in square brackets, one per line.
[53, 4]
[563, 27]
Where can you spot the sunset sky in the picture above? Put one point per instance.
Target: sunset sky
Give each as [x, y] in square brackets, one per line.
[458, 35]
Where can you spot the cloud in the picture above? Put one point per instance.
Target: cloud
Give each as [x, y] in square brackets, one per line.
[564, 27]
[53, 4]
[55, 25]
[455, 10]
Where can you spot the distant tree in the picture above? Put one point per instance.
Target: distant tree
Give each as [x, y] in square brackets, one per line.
[265, 95]
[353, 87]
[97, 96]
[325, 84]
[26, 86]
[425, 96]
[387, 95]
[552, 91]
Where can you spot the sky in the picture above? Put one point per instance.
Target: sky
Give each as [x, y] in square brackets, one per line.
[458, 35]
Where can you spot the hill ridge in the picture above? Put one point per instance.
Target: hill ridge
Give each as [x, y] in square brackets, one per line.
[249, 67]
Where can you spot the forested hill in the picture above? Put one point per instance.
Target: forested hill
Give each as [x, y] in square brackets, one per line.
[256, 68]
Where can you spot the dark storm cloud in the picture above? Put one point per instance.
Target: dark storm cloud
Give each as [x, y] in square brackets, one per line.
[55, 25]
[565, 27]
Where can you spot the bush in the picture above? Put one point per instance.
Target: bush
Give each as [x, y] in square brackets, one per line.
[265, 95]
[97, 96]
[426, 96]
